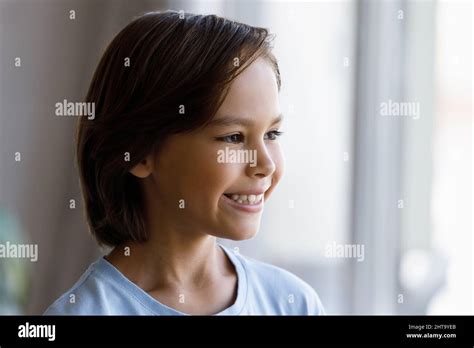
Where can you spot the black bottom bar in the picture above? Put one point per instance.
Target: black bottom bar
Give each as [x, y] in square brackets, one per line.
[290, 330]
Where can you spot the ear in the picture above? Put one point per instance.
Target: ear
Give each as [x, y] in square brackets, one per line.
[143, 169]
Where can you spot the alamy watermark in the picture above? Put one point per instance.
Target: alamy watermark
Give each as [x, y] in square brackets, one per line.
[19, 251]
[355, 251]
[66, 108]
[402, 109]
[28, 330]
[237, 156]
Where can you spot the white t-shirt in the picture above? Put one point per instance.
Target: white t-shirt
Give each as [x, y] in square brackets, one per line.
[263, 289]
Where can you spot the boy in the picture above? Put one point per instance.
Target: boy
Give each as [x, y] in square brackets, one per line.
[171, 94]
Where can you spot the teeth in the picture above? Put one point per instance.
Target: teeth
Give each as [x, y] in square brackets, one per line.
[246, 199]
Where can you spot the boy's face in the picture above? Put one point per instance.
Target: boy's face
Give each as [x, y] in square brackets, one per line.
[197, 182]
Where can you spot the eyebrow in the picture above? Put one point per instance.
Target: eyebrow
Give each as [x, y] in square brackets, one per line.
[239, 121]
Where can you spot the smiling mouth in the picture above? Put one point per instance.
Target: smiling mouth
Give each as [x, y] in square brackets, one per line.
[245, 199]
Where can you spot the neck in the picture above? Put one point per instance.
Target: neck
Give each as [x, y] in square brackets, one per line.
[171, 258]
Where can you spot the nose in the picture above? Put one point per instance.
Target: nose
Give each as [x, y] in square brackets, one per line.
[264, 166]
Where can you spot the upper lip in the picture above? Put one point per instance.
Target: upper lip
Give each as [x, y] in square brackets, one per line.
[255, 192]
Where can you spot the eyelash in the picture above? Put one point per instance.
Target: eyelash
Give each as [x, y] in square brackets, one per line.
[225, 139]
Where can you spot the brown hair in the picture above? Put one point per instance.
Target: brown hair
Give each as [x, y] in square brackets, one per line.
[175, 60]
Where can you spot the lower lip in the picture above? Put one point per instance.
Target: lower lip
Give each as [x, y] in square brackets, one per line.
[248, 208]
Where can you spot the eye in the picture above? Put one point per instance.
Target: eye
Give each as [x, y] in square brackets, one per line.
[232, 139]
[273, 135]
[239, 138]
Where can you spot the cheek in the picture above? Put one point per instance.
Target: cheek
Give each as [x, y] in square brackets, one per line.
[207, 178]
[189, 170]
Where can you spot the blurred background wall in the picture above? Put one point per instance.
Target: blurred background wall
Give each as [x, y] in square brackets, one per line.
[398, 185]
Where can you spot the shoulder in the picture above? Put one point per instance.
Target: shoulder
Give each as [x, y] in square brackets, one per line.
[282, 287]
[86, 297]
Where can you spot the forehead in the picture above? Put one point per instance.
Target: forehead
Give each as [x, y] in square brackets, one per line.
[253, 93]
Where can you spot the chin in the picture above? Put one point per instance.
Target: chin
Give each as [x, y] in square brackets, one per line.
[241, 234]
[237, 234]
